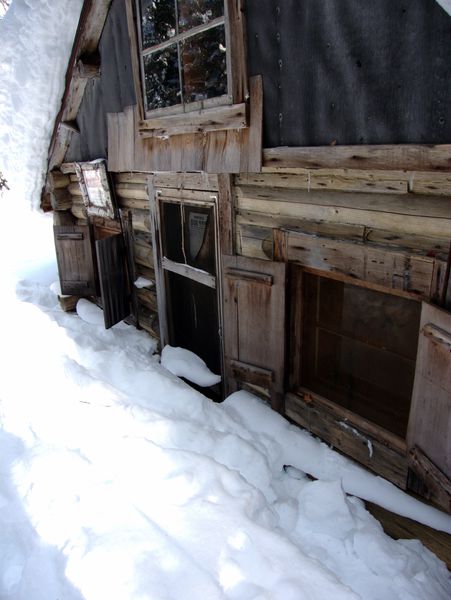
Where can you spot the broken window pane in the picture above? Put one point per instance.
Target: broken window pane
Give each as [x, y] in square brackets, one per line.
[192, 13]
[199, 237]
[203, 58]
[158, 21]
[161, 75]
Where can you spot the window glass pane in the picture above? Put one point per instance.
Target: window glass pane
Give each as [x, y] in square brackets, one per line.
[204, 65]
[192, 13]
[200, 238]
[158, 21]
[161, 76]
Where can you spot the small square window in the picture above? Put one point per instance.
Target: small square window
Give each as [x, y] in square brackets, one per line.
[184, 52]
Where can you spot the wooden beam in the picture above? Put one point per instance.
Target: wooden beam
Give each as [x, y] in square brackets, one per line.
[409, 157]
[231, 116]
[370, 445]
[437, 483]
[388, 268]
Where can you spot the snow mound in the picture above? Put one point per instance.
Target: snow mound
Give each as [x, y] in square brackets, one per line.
[184, 363]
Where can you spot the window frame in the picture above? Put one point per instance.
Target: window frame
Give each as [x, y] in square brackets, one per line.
[228, 111]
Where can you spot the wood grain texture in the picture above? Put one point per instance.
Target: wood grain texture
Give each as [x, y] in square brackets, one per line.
[409, 157]
[396, 270]
[254, 317]
[350, 434]
[430, 414]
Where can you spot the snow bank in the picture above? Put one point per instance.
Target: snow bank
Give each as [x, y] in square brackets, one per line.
[119, 481]
[36, 39]
[185, 363]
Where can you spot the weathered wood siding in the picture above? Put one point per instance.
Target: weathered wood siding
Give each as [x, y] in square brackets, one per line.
[386, 228]
[226, 151]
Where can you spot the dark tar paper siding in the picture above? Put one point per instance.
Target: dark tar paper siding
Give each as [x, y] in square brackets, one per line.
[112, 92]
[352, 71]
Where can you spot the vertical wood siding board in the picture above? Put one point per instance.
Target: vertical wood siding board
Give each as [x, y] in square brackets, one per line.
[237, 49]
[159, 278]
[135, 57]
[430, 412]
[225, 214]
[255, 130]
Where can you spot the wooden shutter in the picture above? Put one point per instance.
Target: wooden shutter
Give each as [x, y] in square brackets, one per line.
[74, 254]
[254, 324]
[429, 430]
[114, 288]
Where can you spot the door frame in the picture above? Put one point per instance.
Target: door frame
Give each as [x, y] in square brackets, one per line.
[163, 264]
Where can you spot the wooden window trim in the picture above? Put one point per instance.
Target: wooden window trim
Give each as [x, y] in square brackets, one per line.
[214, 114]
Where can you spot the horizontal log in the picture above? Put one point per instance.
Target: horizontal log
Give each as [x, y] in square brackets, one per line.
[146, 272]
[421, 244]
[438, 484]
[67, 168]
[133, 203]
[61, 199]
[405, 157]
[218, 118]
[376, 449]
[57, 180]
[135, 191]
[75, 189]
[189, 181]
[148, 298]
[411, 204]
[184, 194]
[321, 179]
[131, 177]
[394, 270]
[141, 221]
[395, 222]
[143, 254]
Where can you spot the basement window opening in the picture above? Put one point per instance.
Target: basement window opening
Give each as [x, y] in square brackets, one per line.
[358, 349]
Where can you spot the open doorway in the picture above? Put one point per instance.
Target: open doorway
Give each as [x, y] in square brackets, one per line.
[189, 250]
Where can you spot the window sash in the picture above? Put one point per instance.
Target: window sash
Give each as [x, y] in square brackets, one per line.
[185, 106]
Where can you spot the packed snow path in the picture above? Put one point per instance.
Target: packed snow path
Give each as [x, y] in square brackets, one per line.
[119, 481]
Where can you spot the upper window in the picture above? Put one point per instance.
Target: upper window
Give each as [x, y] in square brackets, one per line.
[183, 52]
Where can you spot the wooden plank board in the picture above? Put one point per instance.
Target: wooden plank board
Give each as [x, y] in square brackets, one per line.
[428, 246]
[411, 204]
[409, 157]
[407, 224]
[189, 181]
[236, 48]
[349, 180]
[397, 270]
[254, 317]
[231, 116]
[350, 434]
[430, 415]
[225, 214]
[251, 154]
[111, 263]
[402, 528]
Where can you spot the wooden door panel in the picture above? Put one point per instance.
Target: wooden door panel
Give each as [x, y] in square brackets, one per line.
[114, 286]
[429, 430]
[254, 321]
[75, 259]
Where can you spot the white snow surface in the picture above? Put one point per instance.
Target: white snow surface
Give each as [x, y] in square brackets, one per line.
[184, 363]
[36, 39]
[446, 5]
[119, 481]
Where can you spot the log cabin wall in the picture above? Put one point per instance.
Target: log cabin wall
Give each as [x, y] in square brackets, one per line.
[388, 228]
